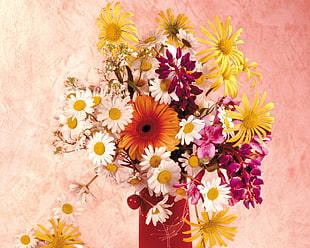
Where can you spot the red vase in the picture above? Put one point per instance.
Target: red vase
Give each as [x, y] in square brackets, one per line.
[168, 234]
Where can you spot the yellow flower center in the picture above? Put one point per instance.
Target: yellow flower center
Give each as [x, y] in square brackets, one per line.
[72, 123]
[113, 32]
[164, 85]
[135, 181]
[146, 66]
[155, 161]
[112, 168]
[164, 177]
[225, 46]
[180, 192]
[250, 120]
[156, 211]
[99, 148]
[79, 105]
[25, 239]
[193, 161]
[212, 194]
[210, 227]
[114, 114]
[172, 29]
[67, 208]
[58, 242]
[188, 128]
[150, 39]
[97, 100]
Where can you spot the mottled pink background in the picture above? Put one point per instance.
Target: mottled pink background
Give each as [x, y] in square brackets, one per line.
[43, 42]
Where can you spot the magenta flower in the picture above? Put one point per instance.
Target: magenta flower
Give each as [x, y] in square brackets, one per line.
[192, 190]
[183, 73]
[260, 150]
[210, 135]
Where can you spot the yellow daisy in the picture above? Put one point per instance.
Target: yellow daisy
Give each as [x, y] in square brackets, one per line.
[228, 77]
[63, 236]
[115, 27]
[171, 25]
[224, 44]
[211, 231]
[249, 68]
[255, 120]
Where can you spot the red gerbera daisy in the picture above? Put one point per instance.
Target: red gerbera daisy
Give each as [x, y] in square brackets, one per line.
[152, 124]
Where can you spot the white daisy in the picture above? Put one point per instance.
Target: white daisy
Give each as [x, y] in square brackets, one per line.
[164, 176]
[80, 103]
[226, 122]
[153, 40]
[109, 169]
[214, 194]
[203, 81]
[98, 96]
[159, 212]
[153, 157]
[190, 162]
[68, 209]
[138, 181]
[188, 40]
[82, 191]
[101, 148]
[71, 128]
[116, 113]
[146, 67]
[159, 90]
[190, 129]
[179, 194]
[26, 240]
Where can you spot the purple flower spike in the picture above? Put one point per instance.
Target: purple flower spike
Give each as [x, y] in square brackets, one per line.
[184, 75]
[236, 182]
[233, 167]
[179, 53]
[256, 172]
[258, 181]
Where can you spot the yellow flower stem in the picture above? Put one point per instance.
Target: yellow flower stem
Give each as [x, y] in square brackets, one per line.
[148, 202]
[59, 135]
[161, 50]
[91, 181]
[192, 178]
[208, 92]
[196, 212]
[157, 53]
[92, 117]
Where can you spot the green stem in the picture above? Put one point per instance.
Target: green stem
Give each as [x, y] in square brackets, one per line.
[90, 182]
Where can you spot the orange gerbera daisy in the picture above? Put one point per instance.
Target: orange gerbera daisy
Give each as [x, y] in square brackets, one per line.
[152, 124]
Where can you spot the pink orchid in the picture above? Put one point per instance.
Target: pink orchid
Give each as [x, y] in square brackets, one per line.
[210, 135]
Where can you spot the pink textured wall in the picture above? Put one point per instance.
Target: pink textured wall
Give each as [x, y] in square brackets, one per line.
[43, 42]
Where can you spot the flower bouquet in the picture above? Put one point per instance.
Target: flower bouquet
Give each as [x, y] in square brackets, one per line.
[150, 123]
